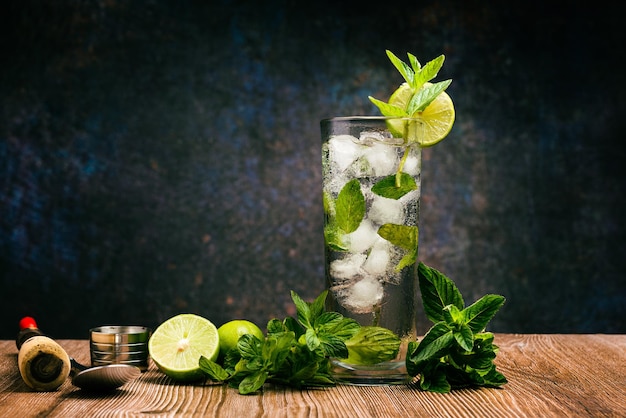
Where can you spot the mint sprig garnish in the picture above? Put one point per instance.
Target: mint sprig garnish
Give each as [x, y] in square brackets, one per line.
[456, 351]
[416, 77]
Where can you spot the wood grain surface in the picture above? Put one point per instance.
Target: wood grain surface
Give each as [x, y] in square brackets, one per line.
[551, 375]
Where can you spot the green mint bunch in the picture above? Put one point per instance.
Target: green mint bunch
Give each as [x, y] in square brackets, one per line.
[297, 352]
[456, 351]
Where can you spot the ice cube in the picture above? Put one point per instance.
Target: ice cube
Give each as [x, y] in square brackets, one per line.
[347, 267]
[384, 210]
[363, 296]
[368, 138]
[378, 260]
[343, 151]
[363, 238]
[412, 165]
[382, 158]
[334, 183]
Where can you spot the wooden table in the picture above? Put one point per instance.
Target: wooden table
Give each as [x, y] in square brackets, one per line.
[549, 375]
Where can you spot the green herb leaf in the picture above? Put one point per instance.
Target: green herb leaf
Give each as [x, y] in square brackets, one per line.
[477, 315]
[291, 324]
[405, 237]
[464, 337]
[350, 207]
[336, 324]
[437, 292]
[333, 346]
[452, 315]
[436, 342]
[371, 345]
[401, 235]
[303, 310]
[388, 109]
[274, 326]
[425, 96]
[429, 71]
[253, 382]
[249, 346]
[435, 379]
[213, 370]
[387, 187]
[311, 338]
[317, 307]
[405, 70]
[415, 64]
[334, 237]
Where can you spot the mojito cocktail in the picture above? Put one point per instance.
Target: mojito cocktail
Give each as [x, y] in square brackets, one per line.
[371, 168]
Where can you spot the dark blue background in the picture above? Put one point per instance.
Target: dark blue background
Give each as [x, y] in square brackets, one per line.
[159, 157]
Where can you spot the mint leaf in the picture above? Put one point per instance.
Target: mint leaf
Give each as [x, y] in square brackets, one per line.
[477, 315]
[334, 238]
[371, 345]
[408, 260]
[406, 71]
[452, 315]
[249, 347]
[317, 307]
[436, 341]
[388, 109]
[425, 96]
[429, 71]
[388, 187]
[350, 207]
[435, 379]
[415, 64]
[302, 309]
[464, 337]
[289, 324]
[401, 235]
[213, 370]
[275, 326]
[437, 292]
[336, 324]
[253, 382]
[311, 338]
[405, 237]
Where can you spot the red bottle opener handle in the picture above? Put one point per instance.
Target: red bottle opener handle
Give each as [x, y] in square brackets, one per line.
[28, 322]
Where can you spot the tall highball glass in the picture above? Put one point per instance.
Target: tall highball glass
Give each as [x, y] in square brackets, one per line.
[371, 194]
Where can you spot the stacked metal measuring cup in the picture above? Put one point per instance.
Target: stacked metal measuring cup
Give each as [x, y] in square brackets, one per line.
[119, 344]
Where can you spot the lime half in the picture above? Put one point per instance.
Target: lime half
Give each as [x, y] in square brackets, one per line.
[177, 344]
[436, 120]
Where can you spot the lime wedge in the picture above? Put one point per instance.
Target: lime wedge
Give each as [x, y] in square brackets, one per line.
[177, 344]
[436, 120]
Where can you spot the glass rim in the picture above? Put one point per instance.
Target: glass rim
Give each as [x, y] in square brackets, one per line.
[367, 118]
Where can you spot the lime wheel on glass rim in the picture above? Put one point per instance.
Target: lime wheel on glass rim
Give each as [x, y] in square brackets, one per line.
[437, 118]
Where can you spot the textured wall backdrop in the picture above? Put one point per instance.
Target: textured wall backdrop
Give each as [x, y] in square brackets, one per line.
[163, 156]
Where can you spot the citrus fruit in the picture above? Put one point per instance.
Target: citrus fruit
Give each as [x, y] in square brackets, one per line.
[231, 331]
[437, 119]
[177, 344]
